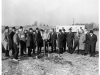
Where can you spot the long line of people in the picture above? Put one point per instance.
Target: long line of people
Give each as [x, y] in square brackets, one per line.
[19, 40]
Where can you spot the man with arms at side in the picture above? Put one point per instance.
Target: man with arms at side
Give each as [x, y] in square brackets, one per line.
[70, 38]
[38, 39]
[22, 40]
[12, 35]
[53, 38]
[64, 41]
[16, 45]
[6, 41]
[92, 43]
[60, 41]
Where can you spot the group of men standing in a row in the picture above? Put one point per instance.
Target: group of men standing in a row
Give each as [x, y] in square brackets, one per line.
[21, 40]
[81, 39]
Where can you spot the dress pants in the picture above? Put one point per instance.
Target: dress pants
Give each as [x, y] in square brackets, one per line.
[76, 44]
[16, 51]
[45, 45]
[60, 50]
[13, 50]
[92, 49]
[7, 53]
[64, 46]
[29, 51]
[23, 44]
[70, 49]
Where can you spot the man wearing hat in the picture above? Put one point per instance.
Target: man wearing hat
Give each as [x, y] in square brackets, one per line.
[11, 35]
[70, 37]
[34, 45]
[45, 38]
[39, 41]
[64, 41]
[60, 41]
[22, 40]
[53, 38]
[92, 43]
[30, 41]
[16, 41]
[6, 41]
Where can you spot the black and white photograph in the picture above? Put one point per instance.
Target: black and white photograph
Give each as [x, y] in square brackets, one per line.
[49, 37]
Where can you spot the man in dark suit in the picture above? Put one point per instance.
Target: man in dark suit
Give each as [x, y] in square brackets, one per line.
[64, 41]
[11, 35]
[92, 43]
[30, 41]
[70, 37]
[34, 46]
[39, 41]
[26, 32]
[60, 41]
[53, 38]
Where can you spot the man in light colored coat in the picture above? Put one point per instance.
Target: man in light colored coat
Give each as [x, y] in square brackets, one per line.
[6, 41]
[82, 41]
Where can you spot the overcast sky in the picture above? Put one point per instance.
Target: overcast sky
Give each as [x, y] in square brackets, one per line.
[51, 12]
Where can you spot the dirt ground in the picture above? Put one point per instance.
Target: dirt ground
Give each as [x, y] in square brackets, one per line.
[55, 64]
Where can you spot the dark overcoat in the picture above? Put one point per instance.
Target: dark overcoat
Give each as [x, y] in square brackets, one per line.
[92, 42]
[60, 40]
[86, 43]
[64, 41]
[30, 40]
[38, 39]
[12, 35]
[53, 38]
[69, 38]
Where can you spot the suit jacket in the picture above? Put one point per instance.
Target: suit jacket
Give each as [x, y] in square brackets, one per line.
[70, 37]
[53, 36]
[92, 39]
